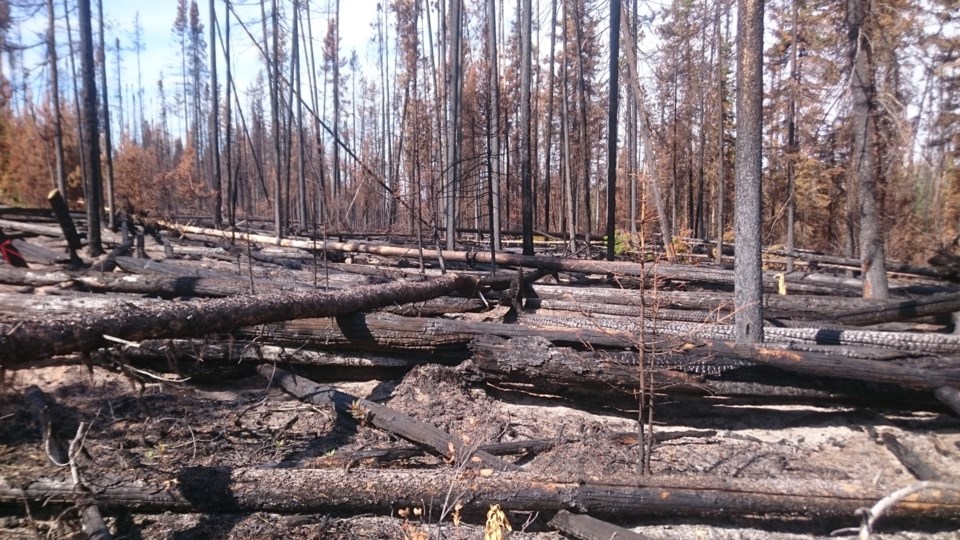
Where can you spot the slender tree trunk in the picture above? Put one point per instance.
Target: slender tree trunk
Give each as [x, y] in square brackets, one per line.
[548, 146]
[215, 122]
[865, 162]
[584, 127]
[721, 154]
[228, 131]
[792, 134]
[61, 177]
[646, 139]
[526, 176]
[108, 151]
[748, 280]
[274, 75]
[91, 143]
[612, 117]
[454, 99]
[493, 117]
[565, 130]
[302, 195]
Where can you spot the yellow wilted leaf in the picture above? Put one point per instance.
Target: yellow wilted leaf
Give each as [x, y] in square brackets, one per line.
[496, 524]
[486, 473]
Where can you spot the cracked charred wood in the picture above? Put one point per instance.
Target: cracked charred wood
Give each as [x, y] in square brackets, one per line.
[589, 528]
[28, 340]
[940, 304]
[364, 411]
[386, 332]
[909, 459]
[710, 370]
[918, 342]
[811, 283]
[287, 491]
[609, 300]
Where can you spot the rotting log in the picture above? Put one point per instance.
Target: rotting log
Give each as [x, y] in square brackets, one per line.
[590, 528]
[927, 343]
[714, 369]
[365, 411]
[798, 282]
[32, 339]
[286, 491]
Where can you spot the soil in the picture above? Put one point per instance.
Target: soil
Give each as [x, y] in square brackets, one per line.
[159, 427]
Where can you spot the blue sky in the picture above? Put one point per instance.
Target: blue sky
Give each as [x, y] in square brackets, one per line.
[159, 55]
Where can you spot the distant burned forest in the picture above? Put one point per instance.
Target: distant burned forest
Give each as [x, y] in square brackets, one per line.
[571, 117]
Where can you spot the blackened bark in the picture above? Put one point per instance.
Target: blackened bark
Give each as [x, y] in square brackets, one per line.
[526, 174]
[612, 117]
[748, 284]
[91, 130]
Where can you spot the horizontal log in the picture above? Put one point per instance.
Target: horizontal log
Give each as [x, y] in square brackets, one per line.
[710, 369]
[27, 340]
[675, 272]
[386, 332]
[287, 491]
[926, 343]
[940, 304]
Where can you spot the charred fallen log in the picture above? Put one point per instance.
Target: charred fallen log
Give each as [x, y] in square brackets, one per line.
[940, 304]
[385, 332]
[285, 491]
[29, 340]
[925, 343]
[708, 370]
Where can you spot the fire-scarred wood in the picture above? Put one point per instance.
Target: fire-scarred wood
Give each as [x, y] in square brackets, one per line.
[365, 411]
[285, 491]
[709, 369]
[33, 339]
[918, 342]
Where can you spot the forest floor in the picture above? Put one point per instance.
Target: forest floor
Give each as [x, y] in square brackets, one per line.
[151, 425]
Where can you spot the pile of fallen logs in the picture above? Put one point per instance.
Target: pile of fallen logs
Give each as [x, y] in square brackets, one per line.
[205, 303]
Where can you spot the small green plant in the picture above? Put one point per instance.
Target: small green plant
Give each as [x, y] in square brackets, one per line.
[622, 242]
